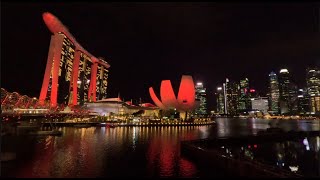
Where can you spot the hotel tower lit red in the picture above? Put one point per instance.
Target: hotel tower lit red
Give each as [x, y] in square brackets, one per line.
[73, 76]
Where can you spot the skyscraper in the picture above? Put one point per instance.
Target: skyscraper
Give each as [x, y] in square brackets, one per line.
[83, 78]
[303, 101]
[71, 72]
[313, 81]
[274, 93]
[201, 96]
[220, 100]
[288, 94]
[284, 82]
[102, 81]
[260, 104]
[313, 89]
[59, 69]
[314, 104]
[232, 97]
[244, 100]
[293, 98]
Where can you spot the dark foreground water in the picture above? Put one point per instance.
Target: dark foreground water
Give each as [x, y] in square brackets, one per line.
[125, 151]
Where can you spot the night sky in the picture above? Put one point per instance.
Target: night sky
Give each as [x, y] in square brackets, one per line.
[148, 42]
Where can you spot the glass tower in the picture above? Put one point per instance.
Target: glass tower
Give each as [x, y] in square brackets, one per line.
[313, 89]
[244, 100]
[303, 101]
[201, 96]
[284, 82]
[274, 92]
[220, 100]
[232, 89]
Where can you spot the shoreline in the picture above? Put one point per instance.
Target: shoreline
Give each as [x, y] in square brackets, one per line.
[115, 124]
[272, 118]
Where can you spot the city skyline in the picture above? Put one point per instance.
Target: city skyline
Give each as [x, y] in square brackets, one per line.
[283, 97]
[200, 52]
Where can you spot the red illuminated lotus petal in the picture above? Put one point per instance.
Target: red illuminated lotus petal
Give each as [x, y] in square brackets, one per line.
[155, 98]
[167, 95]
[186, 96]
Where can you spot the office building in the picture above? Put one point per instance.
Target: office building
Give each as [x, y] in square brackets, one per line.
[313, 89]
[274, 93]
[232, 97]
[244, 99]
[260, 104]
[284, 82]
[303, 102]
[201, 96]
[220, 100]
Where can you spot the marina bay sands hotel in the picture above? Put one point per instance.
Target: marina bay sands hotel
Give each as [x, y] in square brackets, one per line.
[73, 76]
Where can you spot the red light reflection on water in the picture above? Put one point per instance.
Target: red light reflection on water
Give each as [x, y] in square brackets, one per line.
[63, 159]
[44, 157]
[164, 153]
[100, 152]
[187, 168]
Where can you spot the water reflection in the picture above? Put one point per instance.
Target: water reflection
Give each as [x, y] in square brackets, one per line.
[112, 152]
[301, 156]
[238, 126]
[131, 151]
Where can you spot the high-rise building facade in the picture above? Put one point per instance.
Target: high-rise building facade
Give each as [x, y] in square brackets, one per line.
[220, 100]
[102, 81]
[313, 89]
[244, 99]
[313, 81]
[65, 69]
[201, 96]
[314, 104]
[293, 99]
[59, 69]
[284, 84]
[274, 93]
[260, 104]
[288, 94]
[71, 72]
[232, 97]
[303, 102]
[81, 91]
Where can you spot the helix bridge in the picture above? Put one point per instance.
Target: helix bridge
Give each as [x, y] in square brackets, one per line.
[16, 106]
